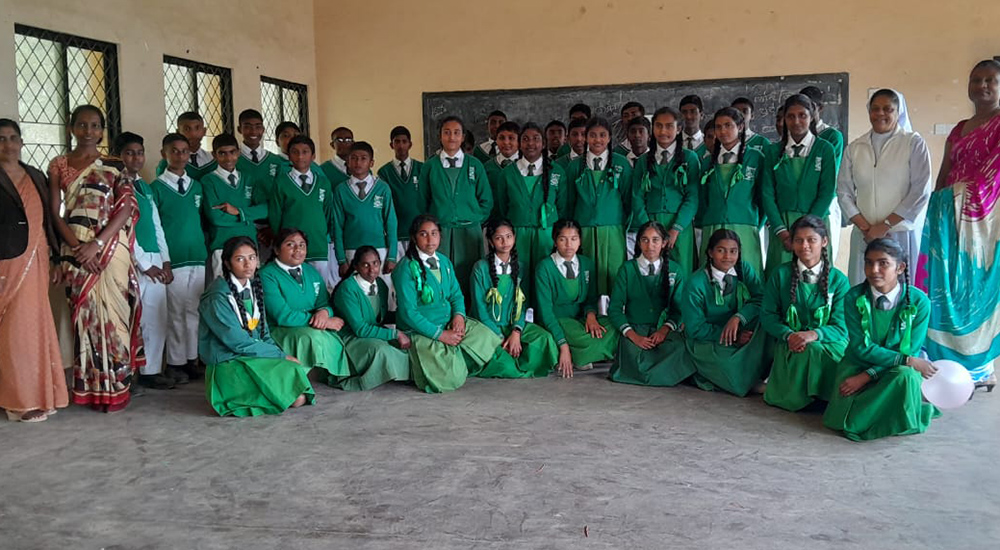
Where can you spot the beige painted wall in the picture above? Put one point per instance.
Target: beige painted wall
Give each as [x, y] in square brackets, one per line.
[401, 48]
[246, 36]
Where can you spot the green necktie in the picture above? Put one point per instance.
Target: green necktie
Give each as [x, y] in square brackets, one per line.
[570, 274]
[727, 158]
[452, 162]
[306, 186]
[180, 185]
[797, 150]
[232, 180]
[665, 157]
[597, 163]
[531, 170]
[432, 262]
[882, 303]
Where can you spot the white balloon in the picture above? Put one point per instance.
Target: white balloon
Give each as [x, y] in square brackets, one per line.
[950, 387]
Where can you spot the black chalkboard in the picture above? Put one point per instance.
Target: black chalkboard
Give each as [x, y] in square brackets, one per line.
[540, 105]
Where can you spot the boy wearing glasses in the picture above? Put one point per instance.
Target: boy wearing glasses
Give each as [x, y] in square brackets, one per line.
[335, 169]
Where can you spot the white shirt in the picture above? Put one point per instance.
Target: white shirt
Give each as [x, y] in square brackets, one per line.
[248, 152]
[644, 265]
[498, 266]
[669, 152]
[604, 159]
[339, 163]
[696, 139]
[486, 146]
[626, 145]
[203, 156]
[144, 259]
[408, 163]
[561, 264]
[171, 179]
[369, 182]
[283, 155]
[632, 157]
[297, 177]
[365, 286]
[522, 166]
[255, 314]
[572, 154]
[459, 156]
[816, 270]
[423, 258]
[808, 141]
[821, 127]
[720, 276]
[288, 269]
[892, 295]
[735, 151]
[500, 158]
[224, 174]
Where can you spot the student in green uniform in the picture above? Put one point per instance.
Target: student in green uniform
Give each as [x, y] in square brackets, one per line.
[446, 347]
[363, 211]
[803, 311]
[579, 111]
[754, 140]
[303, 199]
[335, 169]
[402, 174]
[691, 109]
[704, 151]
[555, 137]
[376, 353]
[878, 383]
[720, 309]
[599, 198]
[730, 191]
[283, 133]
[489, 149]
[566, 303]
[260, 165]
[835, 138]
[645, 309]
[298, 307]
[247, 373]
[800, 179]
[629, 112]
[229, 206]
[637, 133]
[507, 141]
[575, 146]
[192, 127]
[499, 303]
[665, 184]
[455, 190]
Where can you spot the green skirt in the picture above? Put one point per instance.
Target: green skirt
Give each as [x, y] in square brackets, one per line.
[797, 379]
[253, 386]
[606, 246]
[683, 252]
[539, 353]
[749, 242]
[891, 405]
[585, 348]
[313, 347]
[372, 362]
[437, 367]
[464, 246]
[534, 244]
[663, 365]
[732, 369]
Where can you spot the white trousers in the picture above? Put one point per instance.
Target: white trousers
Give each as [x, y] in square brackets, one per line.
[153, 323]
[183, 296]
[216, 264]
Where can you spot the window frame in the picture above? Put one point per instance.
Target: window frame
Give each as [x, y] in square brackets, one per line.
[225, 76]
[303, 92]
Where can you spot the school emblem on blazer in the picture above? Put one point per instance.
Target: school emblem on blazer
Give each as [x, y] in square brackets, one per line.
[377, 201]
[672, 277]
[819, 164]
[415, 181]
[749, 172]
[316, 287]
[586, 277]
[273, 170]
[197, 201]
[322, 195]
[472, 172]
[554, 180]
[248, 191]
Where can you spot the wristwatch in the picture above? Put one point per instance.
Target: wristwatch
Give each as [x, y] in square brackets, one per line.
[887, 223]
[99, 242]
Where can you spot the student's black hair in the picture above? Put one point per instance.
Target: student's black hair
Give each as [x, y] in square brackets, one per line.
[580, 108]
[987, 64]
[249, 114]
[546, 162]
[678, 159]
[639, 121]
[123, 140]
[447, 119]
[492, 226]
[87, 108]
[733, 113]
[895, 251]
[187, 116]
[283, 234]
[361, 252]
[692, 100]
[411, 247]
[224, 140]
[576, 123]
[742, 101]
[171, 138]
[399, 131]
[302, 139]
[497, 113]
[8, 123]
[340, 128]
[815, 95]
[228, 249]
[717, 237]
[559, 226]
[664, 255]
[710, 125]
[803, 101]
[812, 223]
[363, 146]
[509, 126]
[633, 104]
[556, 124]
[887, 93]
[595, 122]
[284, 126]
[468, 139]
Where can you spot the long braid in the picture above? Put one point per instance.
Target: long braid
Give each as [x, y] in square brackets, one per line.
[678, 152]
[794, 293]
[650, 153]
[546, 171]
[258, 296]
[743, 145]
[411, 253]
[491, 259]
[239, 301]
[906, 283]
[824, 278]
[515, 268]
[665, 277]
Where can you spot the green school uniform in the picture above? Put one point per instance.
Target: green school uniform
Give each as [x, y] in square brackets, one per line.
[427, 300]
[562, 306]
[669, 196]
[373, 361]
[797, 379]
[223, 226]
[290, 305]
[622, 150]
[191, 170]
[758, 142]
[563, 160]
[501, 308]
[601, 202]
[261, 174]
[638, 304]
[730, 199]
[482, 156]
[310, 212]
[369, 221]
[181, 220]
[333, 174]
[493, 170]
[246, 372]
[705, 312]
[794, 187]
[833, 136]
[405, 194]
[564, 149]
[880, 343]
[145, 231]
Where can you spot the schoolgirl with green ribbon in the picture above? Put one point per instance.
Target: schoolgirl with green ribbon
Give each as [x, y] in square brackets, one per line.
[499, 303]
[665, 184]
[446, 347]
[803, 311]
[878, 391]
[720, 311]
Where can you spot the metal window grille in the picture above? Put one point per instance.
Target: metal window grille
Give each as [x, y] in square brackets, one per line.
[199, 87]
[282, 101]
[56, 72]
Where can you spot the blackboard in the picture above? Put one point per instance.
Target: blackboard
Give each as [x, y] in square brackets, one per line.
[541, 105]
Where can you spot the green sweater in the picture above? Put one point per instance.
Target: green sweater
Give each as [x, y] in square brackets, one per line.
[637, 299]
[333, 174]
[881, 349]
[352, 304]
[312, 213]
[833, 136]
[262, 174]
[405, 194]
[288, 303]
[456, 197]
[487, 311]
[730, 194]
[554, 301]
[594, 202]
[775, 316]
[522, 202]
[414, 316]
[670, 192]
[145, 230]
[192, 172]
[181, 222]
[358, 222]
[493, 170]
[704, 319]
[809, 192]
[223, 226]
[221, 337]
[758, 142]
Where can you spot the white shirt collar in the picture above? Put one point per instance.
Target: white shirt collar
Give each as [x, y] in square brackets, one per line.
[203, 156]
[423, 258]
[561, 265]
[522, 166]
[821, 127]
[816, 270]
[808, 141]
[240, 287]
[339, 163]
[247, 152]
[295, 174]
[644, 265]
[698, 137]
[892, 295]
[632, 156]
[669, 151]
[572, 154]
[224, 174]
[407, 163]
[500, 158]
[364, 285]
[604, 159]
[486, 145]
[626, 145]
[287, 268]
[498, 266]
[460, 156]
[720, 276]
[171, 178]
[369, 183]
[735, 151]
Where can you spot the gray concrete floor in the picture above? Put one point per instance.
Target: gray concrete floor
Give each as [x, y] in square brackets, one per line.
[520, 464]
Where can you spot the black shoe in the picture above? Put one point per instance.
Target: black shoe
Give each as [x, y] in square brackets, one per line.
[156, 381]
[194, 369]
[176, 374]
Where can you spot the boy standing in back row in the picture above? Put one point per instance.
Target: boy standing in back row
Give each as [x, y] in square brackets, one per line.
[403, 176]
[335, 169]
[200, 162]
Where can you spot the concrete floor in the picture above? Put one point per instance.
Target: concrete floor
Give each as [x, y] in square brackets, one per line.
[518, 464]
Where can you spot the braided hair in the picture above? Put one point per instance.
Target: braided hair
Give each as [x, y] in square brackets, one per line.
[737, 118]
[713, 241]
[411, 247]
[492, 226]
[664, 256]
[228, 250]
[815, 224]
[546, 163]
[803, 101]
[894, 251]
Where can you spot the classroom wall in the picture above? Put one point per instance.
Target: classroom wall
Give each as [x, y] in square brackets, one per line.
[399, 49]
[247, 36]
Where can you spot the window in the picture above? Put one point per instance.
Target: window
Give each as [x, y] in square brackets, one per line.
[281, 100]
[55, 73]
[199, 87]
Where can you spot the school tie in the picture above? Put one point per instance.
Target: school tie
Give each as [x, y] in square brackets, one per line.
[531, 170]
[432, 262]
[728, 282]
[597, 163]
[361, 190]
[504, 163]
[452, 162]
[373, 290]
[690, 142]
[570, 274]
[504, 268]
[402, 170]
[180, 185]
[665, 157]
[253, 157]
[797, 150]
[245, 294]
[727, 158]
[493, 149]
[882, 303]
[194, 160]
[296, 273]
[809, 277]
[232, 180]
[652, 269]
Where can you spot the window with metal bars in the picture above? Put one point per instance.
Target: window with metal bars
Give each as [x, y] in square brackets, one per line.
[56, 72]
[282, 101]
[199, 87]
